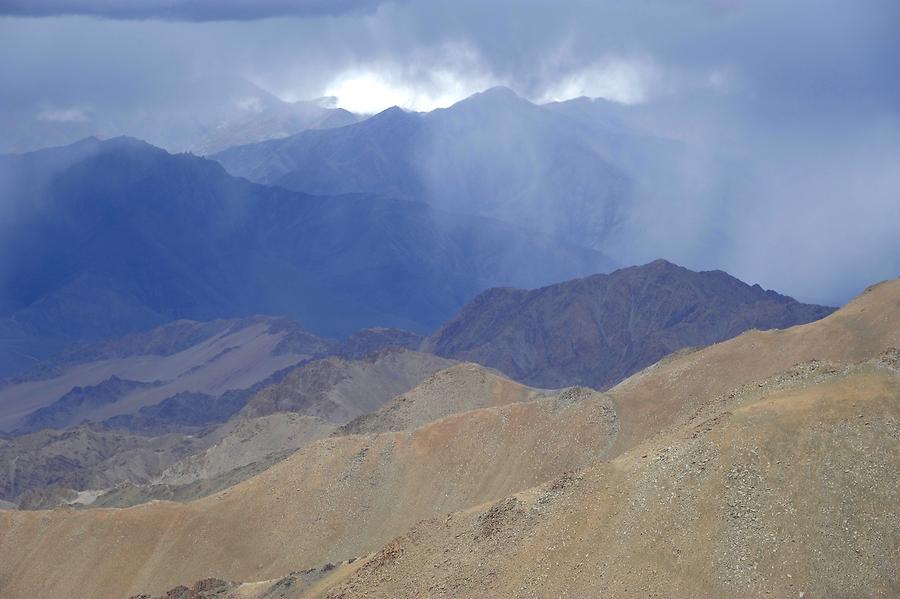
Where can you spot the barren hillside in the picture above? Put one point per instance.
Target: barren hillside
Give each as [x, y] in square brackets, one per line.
[339, 389]
[767, 463]
[785, 493]
[597, 330]
[335, 499]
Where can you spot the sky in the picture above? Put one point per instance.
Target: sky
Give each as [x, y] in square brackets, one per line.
[804, 95]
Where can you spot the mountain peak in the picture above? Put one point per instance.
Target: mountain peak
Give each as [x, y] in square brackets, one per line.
[661, 263]
[499, 91]
[394, 113]
[647, 311]
[123, 142]
[389, 112]
[498, 96]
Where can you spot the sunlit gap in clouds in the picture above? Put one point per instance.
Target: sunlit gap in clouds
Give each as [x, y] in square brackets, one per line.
[373, 89]
[370, 91]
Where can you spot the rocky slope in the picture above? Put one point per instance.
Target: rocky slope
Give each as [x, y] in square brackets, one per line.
[458, 389]
[358, 491]
[733, 475]
[338, 389]
[236, 451]
[83, 460]
[304, 403]
[772, 449]
[112, 379]
[784, 493]
[598, 330]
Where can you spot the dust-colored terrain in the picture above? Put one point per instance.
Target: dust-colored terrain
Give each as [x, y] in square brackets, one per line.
[767, 464]
[457, 389]
[209, 358]
[240, 449]
[126, 469]
[791, 493]
[41, 465]
[339, 389]
[332, 500]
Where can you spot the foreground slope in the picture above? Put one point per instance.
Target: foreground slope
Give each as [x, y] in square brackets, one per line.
[334, 499]
[677, 387]
[748, 468]
[785, 493]
[702, 433]
[600, 329]
[764, 465]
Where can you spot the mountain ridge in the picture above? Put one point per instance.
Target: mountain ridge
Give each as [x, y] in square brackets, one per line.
[193, 242]
[492, 154]
[633, 426]
[597, 330]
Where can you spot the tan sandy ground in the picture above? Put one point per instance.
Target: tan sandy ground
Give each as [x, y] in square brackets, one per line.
[337, 498]
[793, 494]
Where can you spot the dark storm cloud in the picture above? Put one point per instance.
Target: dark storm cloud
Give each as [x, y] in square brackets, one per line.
[182, 10]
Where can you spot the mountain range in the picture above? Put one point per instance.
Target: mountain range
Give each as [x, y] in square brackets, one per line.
[550, 168]
[104, 238]
[211, 383]
[702, 463]
[229, 113]
[600, 329]
[397, 355]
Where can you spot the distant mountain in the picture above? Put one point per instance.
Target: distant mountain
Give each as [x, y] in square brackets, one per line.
[364, 342]
[270, 119]
[218, 114]
[107, 237]
[191, 443]
[566, 170]
[337, 390]
[598, 330]
[180, 376]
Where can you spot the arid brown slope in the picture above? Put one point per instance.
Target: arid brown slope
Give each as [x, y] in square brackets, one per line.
[673, 389]
[240, 449]
[86, 459]
[337, 498]
[338, 389]
[458, 389]
[306, 405]
[776, 472]
[784, 493]
[763, 449]
[343, 497]
[83, 459]
[600, 329]
[181, 357]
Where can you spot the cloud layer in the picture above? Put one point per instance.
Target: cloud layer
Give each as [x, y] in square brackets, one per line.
[182, 10]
